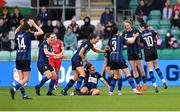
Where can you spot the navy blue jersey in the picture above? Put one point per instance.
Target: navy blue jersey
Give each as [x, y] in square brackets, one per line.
[87, 45]
[91, 80]
[116, 44]
[148, 38]
[107, 55]
[132, 49]
[42, 58]
[23, 45]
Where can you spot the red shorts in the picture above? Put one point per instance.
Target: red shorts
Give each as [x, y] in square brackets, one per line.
[55, 64]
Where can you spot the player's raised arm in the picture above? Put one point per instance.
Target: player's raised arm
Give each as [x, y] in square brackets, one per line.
[20, 26]
[39, 30]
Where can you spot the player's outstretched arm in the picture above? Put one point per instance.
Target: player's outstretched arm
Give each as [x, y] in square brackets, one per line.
[104, 66]
[49, 53]
[105, 83]
[98, 51]
[132, 40]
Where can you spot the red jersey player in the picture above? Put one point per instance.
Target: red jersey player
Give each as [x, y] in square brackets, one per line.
[55, 62]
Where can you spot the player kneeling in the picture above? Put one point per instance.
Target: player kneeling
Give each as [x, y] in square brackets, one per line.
[91, 81]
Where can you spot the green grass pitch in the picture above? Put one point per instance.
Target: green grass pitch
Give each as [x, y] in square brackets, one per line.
[165, 100]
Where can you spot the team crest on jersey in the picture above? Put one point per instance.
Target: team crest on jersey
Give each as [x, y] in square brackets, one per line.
[57, 45]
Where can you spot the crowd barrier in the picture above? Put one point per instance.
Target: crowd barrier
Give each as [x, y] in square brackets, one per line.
[8, 73]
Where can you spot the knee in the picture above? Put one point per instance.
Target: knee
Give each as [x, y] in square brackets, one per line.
[96, 92]
[84, 91]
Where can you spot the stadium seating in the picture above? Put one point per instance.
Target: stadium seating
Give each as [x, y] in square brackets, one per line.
[174, 2]
[34, 44]
[92, 55]
[69, 54]
[136, 24]
[165, 24]
[155, 14]
[162, 33]
[34, 54]
[176, 33]
[5, 56]
[154, 23]
[133, 4]
[13, 55]
[169, 54]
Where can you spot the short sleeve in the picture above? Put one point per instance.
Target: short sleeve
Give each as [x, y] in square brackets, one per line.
[86, 46]
[98, 75]
[45, 46]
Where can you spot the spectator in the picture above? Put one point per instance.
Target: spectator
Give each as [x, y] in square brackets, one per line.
[62, 30]
[99, 30]
[74, 27]
[6, 17]
[4, 40]
[43, 15]
[15, 21]
[86, 29]
[108, 29]
[47, 28]
[142, 11]
[70, 40]
[170, 40]
[177, 6]
[106, 16]
[175, 21]
[156, 4]
[3, 27]
[167, 10]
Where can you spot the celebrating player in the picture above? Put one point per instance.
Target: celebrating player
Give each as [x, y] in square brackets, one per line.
[55, 62]
[23, 53]
[91, 81]
[117, 60]
[106, 67]
[44, 67]
[148, 39]
[77, 63]
[134, 54]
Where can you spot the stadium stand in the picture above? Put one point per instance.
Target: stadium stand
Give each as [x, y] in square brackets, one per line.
[155, 21]
[5, 56]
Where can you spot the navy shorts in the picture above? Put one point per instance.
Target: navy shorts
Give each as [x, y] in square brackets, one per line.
[44, 67]
[118, 65]
[24, 65]
[76, 64]
[135, 57]
[150, 54]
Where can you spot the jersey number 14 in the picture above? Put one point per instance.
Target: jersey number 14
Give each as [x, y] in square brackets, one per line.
[21, 44]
